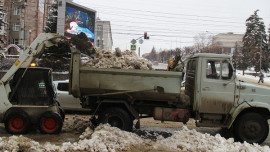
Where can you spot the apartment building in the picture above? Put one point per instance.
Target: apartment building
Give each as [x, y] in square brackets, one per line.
[26, 20]
[103, 38]
[228, 41]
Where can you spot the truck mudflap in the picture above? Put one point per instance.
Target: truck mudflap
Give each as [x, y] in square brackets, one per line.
[171, 114]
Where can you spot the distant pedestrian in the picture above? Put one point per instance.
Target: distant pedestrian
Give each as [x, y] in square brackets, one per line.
[261, 77]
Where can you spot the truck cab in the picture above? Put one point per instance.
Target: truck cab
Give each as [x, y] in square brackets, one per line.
[219, 99]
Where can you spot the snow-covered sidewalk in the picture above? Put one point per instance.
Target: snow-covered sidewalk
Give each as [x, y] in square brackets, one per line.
[253, 79]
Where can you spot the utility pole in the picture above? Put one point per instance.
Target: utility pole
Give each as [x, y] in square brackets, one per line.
[261, 53]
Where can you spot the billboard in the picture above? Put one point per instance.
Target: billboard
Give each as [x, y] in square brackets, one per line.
[79, 19]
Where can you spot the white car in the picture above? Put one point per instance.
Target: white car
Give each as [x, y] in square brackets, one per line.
[67, 101]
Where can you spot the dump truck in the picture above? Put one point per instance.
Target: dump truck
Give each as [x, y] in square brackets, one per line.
[27, 96]
[213, 96]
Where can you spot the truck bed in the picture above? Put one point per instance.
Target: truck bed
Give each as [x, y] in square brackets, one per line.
[139, 84]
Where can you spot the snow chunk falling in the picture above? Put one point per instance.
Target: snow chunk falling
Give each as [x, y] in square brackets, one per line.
[191, 140]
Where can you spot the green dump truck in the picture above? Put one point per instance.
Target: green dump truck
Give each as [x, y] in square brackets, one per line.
[213, 96]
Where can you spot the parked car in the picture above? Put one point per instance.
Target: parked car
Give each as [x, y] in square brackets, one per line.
[67, 101]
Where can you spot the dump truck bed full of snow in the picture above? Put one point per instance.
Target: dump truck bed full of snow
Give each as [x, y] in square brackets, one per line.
[140, 84]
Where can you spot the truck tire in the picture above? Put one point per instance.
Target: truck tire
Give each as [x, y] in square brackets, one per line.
[17, 122]
[117, 117]
[50, 123]
[251, 127]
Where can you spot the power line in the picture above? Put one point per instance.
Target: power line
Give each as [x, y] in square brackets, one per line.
[159, 12]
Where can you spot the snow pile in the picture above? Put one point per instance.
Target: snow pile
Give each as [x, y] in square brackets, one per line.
[118, 60]
[76, 124]
[103, 139]
[111, 139]
[19, 143]
[191, 140]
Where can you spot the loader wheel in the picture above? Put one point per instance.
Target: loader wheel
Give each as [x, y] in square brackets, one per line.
[17, 122]
[62, 113]
[50, 123]
[251, 127]
[117, 117]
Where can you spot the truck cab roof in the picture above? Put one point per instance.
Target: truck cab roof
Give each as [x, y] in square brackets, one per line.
[211, 55]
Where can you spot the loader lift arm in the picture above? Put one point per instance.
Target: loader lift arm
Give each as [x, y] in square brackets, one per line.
[35, 50]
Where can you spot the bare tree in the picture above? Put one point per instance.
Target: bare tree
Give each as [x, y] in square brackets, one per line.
[201, 42]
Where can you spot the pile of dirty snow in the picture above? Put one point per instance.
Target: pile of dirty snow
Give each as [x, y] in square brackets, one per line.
[103, 139]
[191, 140]
[110, 139]
[76, 123]
[19, 143]
[118, 60]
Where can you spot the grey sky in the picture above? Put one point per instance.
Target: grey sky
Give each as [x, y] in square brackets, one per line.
[174, 23]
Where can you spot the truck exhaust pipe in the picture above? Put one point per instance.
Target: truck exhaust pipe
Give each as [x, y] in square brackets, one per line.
[171, 114]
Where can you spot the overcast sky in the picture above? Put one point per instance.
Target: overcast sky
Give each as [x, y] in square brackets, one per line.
[174, 23]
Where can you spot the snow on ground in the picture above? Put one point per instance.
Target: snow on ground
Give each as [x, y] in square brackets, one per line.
[76, 123]
[239, 74]
[110, 139]
[191, 140]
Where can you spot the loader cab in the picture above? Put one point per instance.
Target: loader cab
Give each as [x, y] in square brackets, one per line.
[32, 86]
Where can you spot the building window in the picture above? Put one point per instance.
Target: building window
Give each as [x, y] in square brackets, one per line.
[16, 11]
[99, 28]
[16, 27]
[15, 41]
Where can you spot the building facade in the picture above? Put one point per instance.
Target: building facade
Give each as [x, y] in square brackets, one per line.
[228, 41]
[103, 38]
[26, 20]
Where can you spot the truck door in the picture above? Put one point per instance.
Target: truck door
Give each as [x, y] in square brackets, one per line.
[217, 87]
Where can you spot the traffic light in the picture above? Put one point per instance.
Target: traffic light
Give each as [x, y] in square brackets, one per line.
[145, 35]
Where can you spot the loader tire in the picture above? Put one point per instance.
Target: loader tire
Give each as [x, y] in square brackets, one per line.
[17, 122]
[251, 127]
[50, 123]
[117, 117]
[62, 113]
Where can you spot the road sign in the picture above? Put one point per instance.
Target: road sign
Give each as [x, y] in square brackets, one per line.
[133, 41]
[140, 41]
[133, 47]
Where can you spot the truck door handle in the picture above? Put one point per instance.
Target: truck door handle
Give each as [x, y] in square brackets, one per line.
[206, 89]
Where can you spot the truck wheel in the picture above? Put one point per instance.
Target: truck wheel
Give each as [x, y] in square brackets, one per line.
[17, 122]
[252, 128]
[50, 123]
[117, 117]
